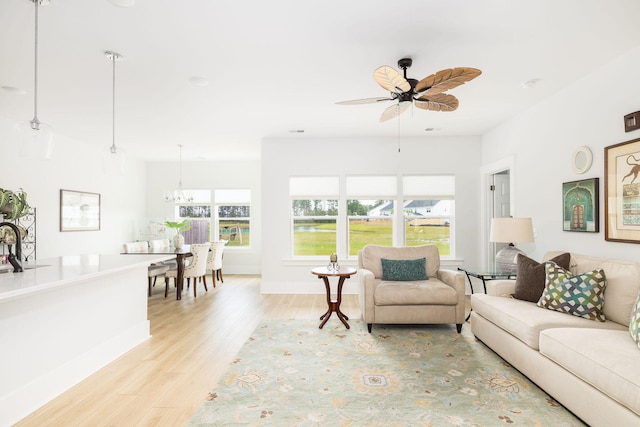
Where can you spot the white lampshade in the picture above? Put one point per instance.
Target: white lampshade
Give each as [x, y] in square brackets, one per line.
[511, 230]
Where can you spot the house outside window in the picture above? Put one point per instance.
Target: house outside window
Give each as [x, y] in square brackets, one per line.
[428, 211]
[390, 210]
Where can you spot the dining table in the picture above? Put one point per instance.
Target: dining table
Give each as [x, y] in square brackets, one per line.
[180, 254]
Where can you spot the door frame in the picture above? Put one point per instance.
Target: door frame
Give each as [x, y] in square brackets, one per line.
[506, 164]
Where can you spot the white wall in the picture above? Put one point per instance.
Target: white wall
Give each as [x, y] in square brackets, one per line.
[282, 158]
[542, 140]
[75, 165]
[163, 176]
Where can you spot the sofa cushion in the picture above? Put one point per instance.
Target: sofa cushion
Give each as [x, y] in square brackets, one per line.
[623, 283]
[404, 269]
[634, 324]
[608, 360]
[525, 320]
[422, 292]
[580, 295]
[531, 275]
[372, 255]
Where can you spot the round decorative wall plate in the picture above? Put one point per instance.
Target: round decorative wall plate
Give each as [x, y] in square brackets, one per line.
[582, 159]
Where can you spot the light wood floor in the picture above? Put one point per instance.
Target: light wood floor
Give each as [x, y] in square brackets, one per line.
[163, 381]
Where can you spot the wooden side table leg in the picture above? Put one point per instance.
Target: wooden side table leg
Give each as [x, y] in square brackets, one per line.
[340, 314]
[329, 304]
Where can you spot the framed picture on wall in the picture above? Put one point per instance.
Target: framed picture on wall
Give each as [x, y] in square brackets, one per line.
[79, 211]
[622, 192]
[581, 205]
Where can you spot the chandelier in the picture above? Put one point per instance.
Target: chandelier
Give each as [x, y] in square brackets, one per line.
[179, 195]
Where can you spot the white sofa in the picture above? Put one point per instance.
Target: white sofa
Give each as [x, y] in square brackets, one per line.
[440, 299]
[590, 367]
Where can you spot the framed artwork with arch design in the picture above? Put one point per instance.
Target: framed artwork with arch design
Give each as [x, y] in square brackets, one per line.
[581, 205]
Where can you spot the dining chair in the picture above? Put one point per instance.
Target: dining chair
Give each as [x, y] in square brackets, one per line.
[154, 270]
[214, 261]
[163, 245]
[196, 269]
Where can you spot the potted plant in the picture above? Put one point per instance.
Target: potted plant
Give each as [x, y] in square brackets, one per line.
[13, 205]
[178, 239]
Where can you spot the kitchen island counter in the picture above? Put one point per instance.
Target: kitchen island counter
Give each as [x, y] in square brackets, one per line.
[64, 318]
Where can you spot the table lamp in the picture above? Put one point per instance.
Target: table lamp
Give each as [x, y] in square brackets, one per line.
[510, 230]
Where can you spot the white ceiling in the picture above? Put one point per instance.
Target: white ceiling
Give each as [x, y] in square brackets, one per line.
[280, 65]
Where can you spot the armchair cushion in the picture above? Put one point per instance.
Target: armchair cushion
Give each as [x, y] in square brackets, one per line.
[404, 269]
[433, 292]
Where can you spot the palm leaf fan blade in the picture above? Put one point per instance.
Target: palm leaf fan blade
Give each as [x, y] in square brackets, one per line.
[394, 111]
[391, 80]
[363, 101]
[447, 79]
[437, 102]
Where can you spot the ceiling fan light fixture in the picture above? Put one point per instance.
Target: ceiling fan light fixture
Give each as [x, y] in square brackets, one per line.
[35, 138]
[426, 94]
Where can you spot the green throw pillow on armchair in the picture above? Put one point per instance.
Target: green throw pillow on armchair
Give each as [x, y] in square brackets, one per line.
[531, 276]
[401, 270]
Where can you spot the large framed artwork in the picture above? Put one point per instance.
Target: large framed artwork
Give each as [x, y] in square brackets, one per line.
[79, 211]
[581, 205]
[622, 192]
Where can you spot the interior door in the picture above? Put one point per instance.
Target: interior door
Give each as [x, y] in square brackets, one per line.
[500, 202]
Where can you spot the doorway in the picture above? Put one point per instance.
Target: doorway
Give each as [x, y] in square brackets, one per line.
[499, 204]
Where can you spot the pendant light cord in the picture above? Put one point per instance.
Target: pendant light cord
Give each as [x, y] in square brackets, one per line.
[35, 123]
[180, 180]
[113, 110]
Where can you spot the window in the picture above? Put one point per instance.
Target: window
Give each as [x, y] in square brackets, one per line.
[389, 210]
[233, 215]
[232, 219]
[314, 214]
[428, 208]
[370, 211]
[198, 212]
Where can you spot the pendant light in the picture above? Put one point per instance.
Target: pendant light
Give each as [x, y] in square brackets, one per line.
[113, 158]
[179, 195]
[35, 137]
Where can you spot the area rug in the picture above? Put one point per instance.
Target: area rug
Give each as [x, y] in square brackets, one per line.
[290, 373]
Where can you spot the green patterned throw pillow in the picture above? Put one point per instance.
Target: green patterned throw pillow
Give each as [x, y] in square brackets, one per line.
[402, 270]
[634, 325]
[581, 295]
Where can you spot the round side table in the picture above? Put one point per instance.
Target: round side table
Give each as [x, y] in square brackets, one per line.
[334, 304]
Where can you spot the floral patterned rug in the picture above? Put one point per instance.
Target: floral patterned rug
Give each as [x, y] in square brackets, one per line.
[290, 373]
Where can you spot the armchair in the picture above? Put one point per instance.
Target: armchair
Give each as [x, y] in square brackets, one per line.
[439, 299]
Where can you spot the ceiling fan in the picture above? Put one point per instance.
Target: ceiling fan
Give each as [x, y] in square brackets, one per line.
[427, 93]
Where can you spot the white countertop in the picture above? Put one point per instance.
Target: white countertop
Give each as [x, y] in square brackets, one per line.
[60, 271]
